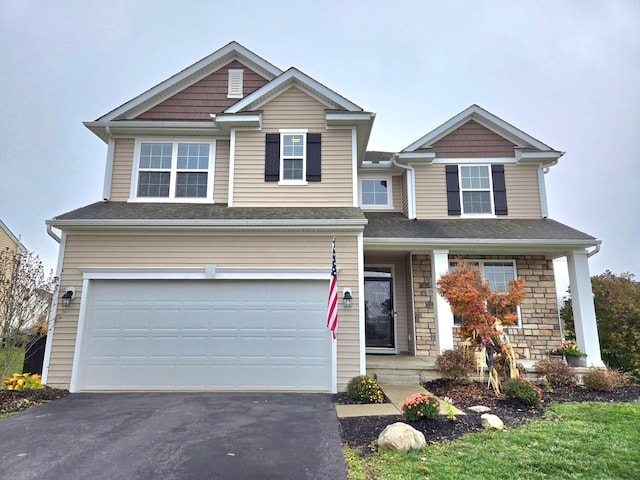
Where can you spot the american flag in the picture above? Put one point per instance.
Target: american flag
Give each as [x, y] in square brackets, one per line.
[332, 311]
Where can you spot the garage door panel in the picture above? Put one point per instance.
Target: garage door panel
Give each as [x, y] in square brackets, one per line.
[206, 335]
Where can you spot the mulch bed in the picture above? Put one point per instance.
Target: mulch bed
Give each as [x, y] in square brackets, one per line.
[13, 402]
[361, 432]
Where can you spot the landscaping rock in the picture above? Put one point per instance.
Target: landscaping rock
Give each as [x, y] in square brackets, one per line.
[490, 421]
[479, 409]
[400, 436]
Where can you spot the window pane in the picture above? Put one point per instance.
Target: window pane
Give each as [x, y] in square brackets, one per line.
[153, 184]
[476, 202]
[292, 169]
[475, 177]
[155, 155]
[498, 275]
[191, 185]
[193, 156]
[293, 145]
[374, 192]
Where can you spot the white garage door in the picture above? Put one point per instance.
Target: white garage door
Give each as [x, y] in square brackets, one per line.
[205, 335]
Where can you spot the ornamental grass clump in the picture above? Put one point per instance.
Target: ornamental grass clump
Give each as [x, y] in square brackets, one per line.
[365, 389]
[420, 406]
[23, 381]
[523, 390]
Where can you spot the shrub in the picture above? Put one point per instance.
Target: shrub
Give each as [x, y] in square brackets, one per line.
[23, 381]
[365, 389]
[558, 374]
[523, 390]
[619, 379]
[456, 364]
[419, 406]
[597, 379]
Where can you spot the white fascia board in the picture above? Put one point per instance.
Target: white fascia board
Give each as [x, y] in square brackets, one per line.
[347, 119]
[146, 127]
[482, 116]
[253, 120]
[277, 85]
[200, 224]
[194, 73]
[547, 158]
[408, 156]
[481, 241]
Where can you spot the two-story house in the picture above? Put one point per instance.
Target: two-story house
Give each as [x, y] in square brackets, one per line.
[206, 266]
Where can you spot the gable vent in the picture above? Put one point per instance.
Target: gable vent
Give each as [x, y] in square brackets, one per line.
[235, 83]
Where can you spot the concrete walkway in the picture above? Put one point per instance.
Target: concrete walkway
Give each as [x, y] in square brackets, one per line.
[396, 394]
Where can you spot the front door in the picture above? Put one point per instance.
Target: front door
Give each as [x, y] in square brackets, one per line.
[379, 312]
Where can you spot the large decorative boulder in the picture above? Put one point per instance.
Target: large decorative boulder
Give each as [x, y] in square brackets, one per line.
[400, 436]
[490, 421]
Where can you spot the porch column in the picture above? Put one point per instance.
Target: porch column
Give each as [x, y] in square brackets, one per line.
[443, 315]
[584, 314]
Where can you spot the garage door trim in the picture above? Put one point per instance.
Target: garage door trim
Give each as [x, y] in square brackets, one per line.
[203, 273]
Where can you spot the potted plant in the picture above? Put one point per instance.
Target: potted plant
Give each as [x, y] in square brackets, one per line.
[569, 350]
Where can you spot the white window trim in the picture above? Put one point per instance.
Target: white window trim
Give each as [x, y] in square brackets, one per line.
[476, 215]
[133, 194]
[389, 204]
[480, 264]
[303, 132]
[235, 73]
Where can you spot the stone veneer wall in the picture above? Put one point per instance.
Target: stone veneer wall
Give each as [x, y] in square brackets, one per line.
[423, 306]
[540, 329]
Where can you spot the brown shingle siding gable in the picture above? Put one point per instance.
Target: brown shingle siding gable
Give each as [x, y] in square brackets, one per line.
[204, 97]
[473, 140]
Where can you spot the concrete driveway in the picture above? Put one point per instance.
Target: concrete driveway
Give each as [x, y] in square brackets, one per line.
[166, 436]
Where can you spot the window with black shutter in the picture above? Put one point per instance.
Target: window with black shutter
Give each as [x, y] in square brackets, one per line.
[293, 157]
[476, 190]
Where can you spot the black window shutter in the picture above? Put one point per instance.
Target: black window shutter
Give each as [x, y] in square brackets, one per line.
[272, 158]
[453, 190]
[499, 189]
[314, 155]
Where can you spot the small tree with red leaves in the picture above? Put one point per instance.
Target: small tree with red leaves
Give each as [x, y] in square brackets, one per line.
[484, 313]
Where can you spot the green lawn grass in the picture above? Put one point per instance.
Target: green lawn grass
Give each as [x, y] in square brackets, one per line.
[11, 361]
[573, 441]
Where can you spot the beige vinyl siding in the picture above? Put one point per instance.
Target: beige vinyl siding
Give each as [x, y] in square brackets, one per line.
[293, 109]
[523, 196]
[396, 186]
[221, 174]
[399, 295]
[431, 192]
[523, 192]
[180, 251]
[6, 241]
[122, 168]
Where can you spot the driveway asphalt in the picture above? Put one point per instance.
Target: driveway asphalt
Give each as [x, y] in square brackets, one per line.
[171, 436]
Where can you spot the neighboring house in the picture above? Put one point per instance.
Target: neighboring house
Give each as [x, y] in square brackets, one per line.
[9, 240]
[207, 265]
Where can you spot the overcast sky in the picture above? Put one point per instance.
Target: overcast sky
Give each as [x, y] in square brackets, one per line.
[566, 72]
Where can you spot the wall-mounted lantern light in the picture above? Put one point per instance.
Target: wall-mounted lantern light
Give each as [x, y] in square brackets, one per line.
[69, 295]
[347, 297]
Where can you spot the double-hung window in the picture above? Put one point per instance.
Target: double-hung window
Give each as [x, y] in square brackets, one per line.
[292, 166]
[475, 189]
[497, 273]
[181, 171]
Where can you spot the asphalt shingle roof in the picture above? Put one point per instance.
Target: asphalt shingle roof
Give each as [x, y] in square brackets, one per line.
[195, 211]
[397, 225]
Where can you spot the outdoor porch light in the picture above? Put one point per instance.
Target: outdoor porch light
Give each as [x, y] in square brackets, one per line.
[347, 297]
[68, 296]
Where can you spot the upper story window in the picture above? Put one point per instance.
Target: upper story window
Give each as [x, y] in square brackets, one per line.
[476, 190]
[293, 157]
[376, 193]
[181, 171]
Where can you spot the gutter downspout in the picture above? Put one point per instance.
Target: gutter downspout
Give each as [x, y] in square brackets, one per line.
[594, 251]
[52, 234]
[108, 169]
[411, 187]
